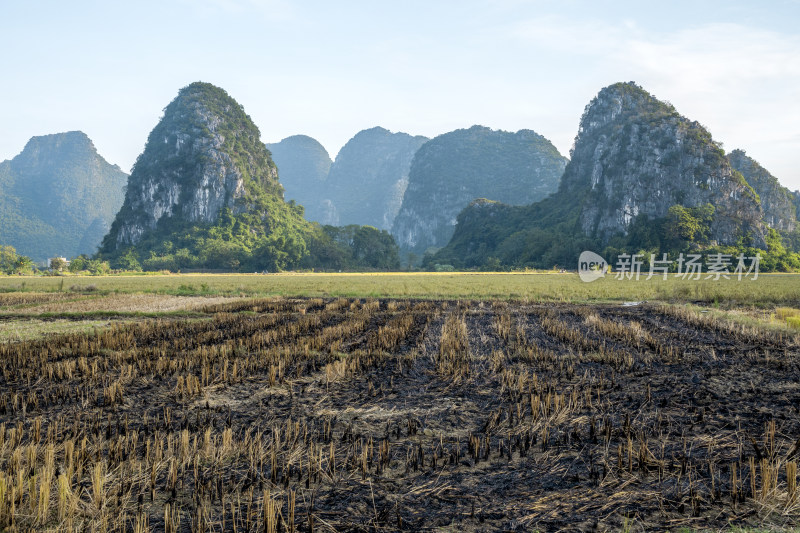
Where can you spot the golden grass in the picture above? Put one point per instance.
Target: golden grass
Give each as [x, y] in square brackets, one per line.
[29, 329]
[786, 312]
[128, 303]
[29, 298]
[789, 316]
[776, 289]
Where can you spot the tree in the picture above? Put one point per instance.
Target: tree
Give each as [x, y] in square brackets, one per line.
[98, 267]
[774, 242]
[492, 264]
[704, 214]
[57, 264]
[375, 248]
[792, 239]
[78, 263]
[680, 224]
[689, 224]
[129, 261]
[8, 257]
[23, 265]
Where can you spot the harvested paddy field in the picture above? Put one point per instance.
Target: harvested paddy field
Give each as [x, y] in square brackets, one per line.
[55, 303]
[32, 315]
[353, 414]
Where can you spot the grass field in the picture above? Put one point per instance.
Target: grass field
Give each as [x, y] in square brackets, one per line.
[768, 289]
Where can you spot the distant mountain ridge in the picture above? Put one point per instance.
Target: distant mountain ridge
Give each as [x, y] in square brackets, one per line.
[635, 155]
[364, 185]
[58, 196]
[205, 195]
[205, 192]
[303, 165]
[453, 169]
[638, 172]
[203, 155]
[368, 179]
[777, 202]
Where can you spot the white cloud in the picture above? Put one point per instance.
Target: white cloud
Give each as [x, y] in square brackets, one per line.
[743, 83]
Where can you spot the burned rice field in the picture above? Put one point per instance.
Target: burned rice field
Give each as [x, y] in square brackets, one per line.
[356, 414]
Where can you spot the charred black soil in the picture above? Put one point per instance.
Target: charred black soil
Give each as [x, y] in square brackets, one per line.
[384, 415]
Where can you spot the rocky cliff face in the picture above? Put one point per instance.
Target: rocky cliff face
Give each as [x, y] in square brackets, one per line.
[204, 155]
[634, 158]
[635, 155]
[797, 203]
[303, 165]
[777, 202]
[367, 181]
[453, 169]
[58, 197]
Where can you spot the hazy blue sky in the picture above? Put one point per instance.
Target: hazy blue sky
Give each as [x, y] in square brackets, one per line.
[331, 68]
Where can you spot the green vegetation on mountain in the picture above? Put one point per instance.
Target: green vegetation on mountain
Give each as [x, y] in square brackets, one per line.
[641, 179]
[777, 202]
[205, 194]
[797, 203]
[453, 169]
[58, 197]
[353, 247]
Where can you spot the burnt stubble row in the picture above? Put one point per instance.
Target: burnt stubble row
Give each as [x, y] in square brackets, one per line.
[379, 415]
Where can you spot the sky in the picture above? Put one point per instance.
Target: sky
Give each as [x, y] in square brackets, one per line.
[329, 69]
